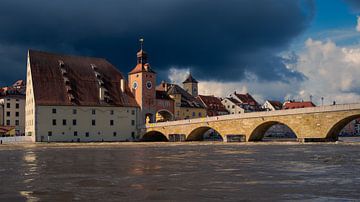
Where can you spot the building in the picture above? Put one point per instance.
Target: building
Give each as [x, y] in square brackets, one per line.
[191, 85]
[186, 105]
[248, 103]
[233, 106]
[271, 105]
[155, 105]
[12, 107]
[213, 105]
[296, 105]
[74, 98]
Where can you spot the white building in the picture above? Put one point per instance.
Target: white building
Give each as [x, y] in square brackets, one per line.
[77, 99]
[233, 106]
[12, 109]
[271, 105]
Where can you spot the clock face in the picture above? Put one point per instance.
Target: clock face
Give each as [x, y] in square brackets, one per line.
[148, 84]
[135, 85]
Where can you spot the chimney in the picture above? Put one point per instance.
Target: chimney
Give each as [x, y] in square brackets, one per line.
[122, 85]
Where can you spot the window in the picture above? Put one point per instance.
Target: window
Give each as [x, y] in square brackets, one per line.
[49, 133]
[93, 111]
[74, 122]
[64, 122]
[7, 105]
[17, 100]
[17, 105]
[87, 134]
[7, 113]
[74, 111]
[193, 114]
[16, 122]
[111, 122]
[93, 122]
[114, 134]
[54, 122]
[200, 114]
[8, 122]
[112, 112]
[132, 112]
[132, 122]
[233, 106]
[75, 133]
[17, 114]
[54, 111]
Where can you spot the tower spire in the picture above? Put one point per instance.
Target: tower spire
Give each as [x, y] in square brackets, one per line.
[141, 43]
[141, 55]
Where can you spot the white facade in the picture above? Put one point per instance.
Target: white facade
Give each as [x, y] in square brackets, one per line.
[85, 124]
[268, 106]
[77, 123]
[231, 107]
[13, 112]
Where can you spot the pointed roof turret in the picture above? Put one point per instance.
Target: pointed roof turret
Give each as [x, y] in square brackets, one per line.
[142, 60]
[190, 79]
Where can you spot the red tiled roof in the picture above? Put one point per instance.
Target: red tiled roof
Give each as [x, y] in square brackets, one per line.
[246, 99]
[276, 104]
[212, 102]
[5, 129]
[296, 105]
[49, 83]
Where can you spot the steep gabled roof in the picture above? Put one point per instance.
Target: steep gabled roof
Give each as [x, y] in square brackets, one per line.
[246, 99]
[57, 78]
[276, 104]
[212, 102]
[190, 79]
[187, 100]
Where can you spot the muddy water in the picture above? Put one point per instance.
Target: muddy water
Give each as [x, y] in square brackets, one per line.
[181, 172]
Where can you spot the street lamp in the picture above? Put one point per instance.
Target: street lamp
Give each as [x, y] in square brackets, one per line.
[322, 101]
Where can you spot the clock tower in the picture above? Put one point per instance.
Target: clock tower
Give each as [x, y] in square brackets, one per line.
[142, 82]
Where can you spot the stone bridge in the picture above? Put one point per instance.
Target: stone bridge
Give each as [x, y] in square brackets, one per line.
[322, 123]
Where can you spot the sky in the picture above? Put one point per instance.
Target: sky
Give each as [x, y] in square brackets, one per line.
[272, 49]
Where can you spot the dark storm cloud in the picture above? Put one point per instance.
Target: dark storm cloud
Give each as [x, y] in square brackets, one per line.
[217, 39]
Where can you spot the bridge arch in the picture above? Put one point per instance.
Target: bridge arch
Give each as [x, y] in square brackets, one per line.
[164, 115]
[335, 129]
[198, 134]
[154, 136]
[258, 133]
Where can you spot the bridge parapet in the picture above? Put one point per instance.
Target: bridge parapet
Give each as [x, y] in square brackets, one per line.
[319, 109]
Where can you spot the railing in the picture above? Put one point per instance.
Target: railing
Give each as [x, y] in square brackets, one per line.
[16, 139]
[319, 109]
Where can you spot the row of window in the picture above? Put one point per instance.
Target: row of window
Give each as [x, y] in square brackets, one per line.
[93, 111]
[8, 122]
[16, 114]
[193, 113]
[93, 122]
[17, 105]
[87, 134]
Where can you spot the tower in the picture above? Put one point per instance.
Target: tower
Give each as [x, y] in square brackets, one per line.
[142, 82]
[191, 85]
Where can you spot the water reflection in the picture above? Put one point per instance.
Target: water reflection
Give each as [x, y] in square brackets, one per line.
[181, 171]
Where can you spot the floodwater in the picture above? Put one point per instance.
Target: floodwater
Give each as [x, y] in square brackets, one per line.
[201, 171]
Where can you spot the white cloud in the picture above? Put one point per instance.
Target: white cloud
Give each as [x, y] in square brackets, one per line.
[178, 75]
[331, 72]
[358, 24]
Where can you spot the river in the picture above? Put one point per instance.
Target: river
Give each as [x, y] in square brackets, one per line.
[199, 171]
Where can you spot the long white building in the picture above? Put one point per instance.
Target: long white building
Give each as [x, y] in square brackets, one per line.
[77, 99]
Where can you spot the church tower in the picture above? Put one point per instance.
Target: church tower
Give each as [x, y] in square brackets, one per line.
[142, 82]
[191, 85]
